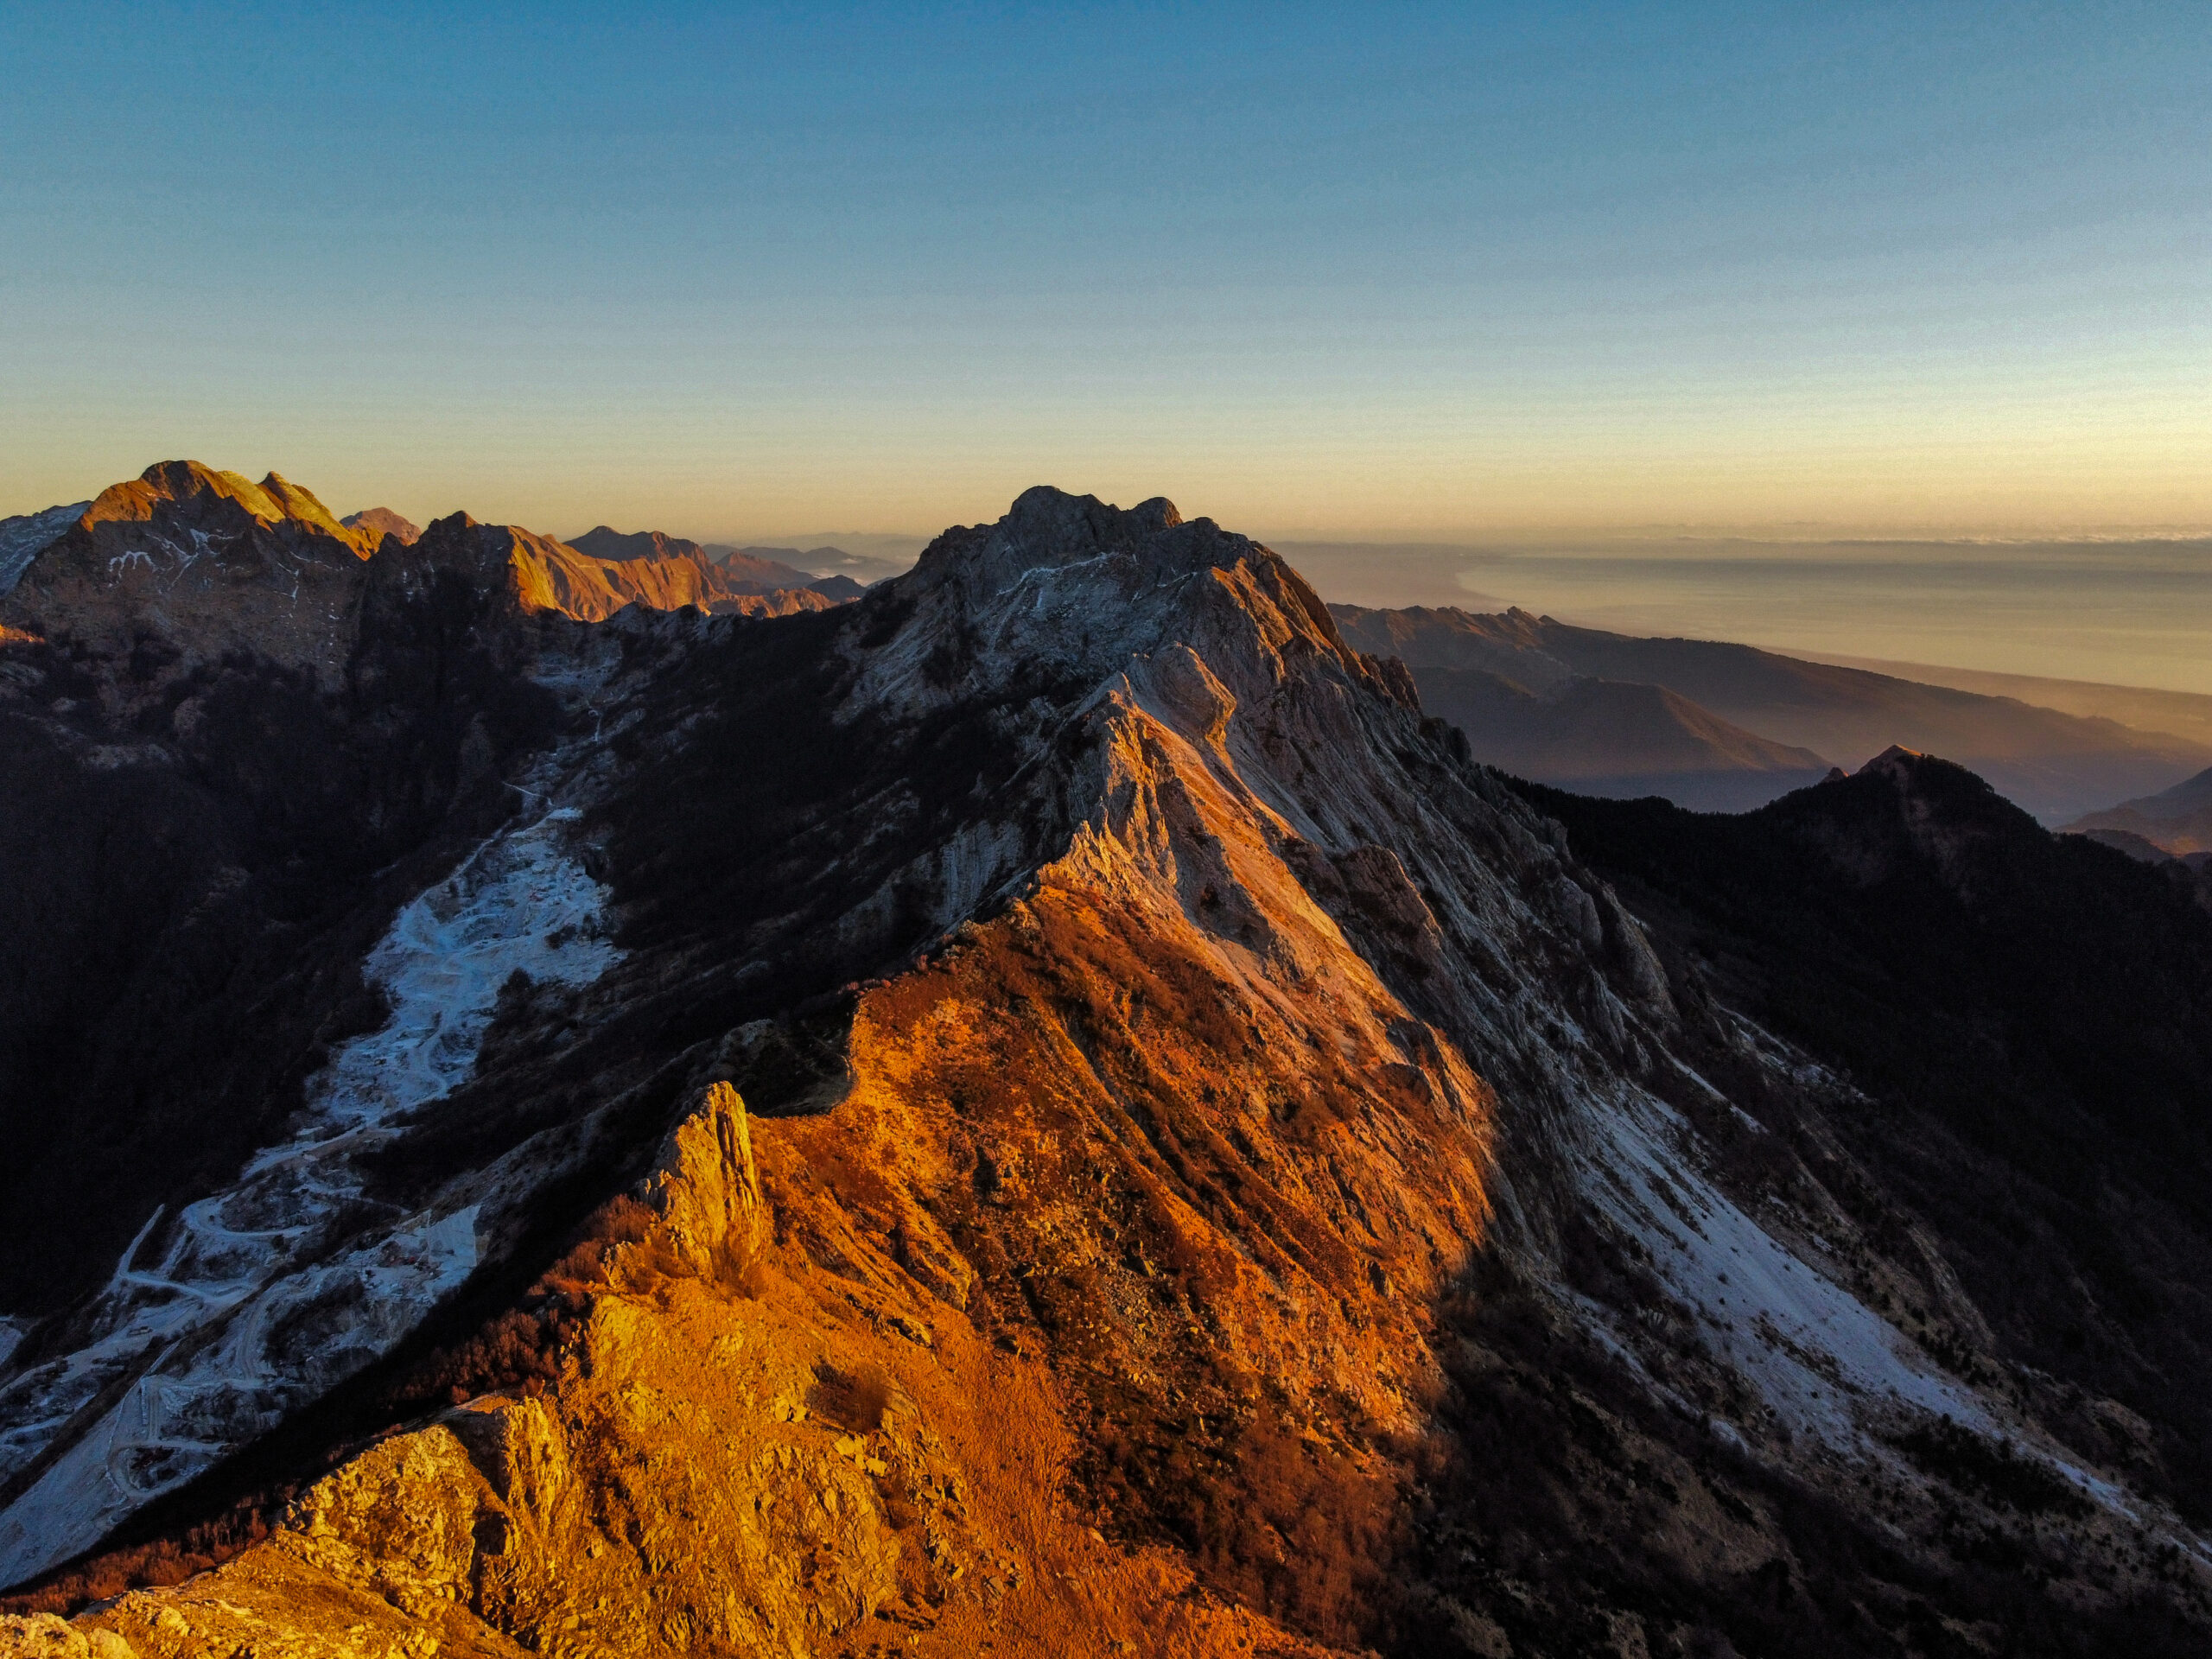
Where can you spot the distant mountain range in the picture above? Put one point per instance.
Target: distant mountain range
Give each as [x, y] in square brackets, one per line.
[2177, 821]
[1745, 725]
[830, 568]
[384, 522]
[1608, 737]
[2182, 714]
[867, 556]
[735, 571]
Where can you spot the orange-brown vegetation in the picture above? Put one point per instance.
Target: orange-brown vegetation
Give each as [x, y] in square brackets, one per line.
[1108, 1140]
[1111, 1266]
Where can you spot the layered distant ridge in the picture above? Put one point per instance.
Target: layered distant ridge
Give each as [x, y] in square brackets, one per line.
[2177, 821]
[2056, 765]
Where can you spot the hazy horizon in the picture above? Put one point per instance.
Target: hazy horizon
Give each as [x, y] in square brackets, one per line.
[1590, 293]
[2119, 607]
[1306, 270]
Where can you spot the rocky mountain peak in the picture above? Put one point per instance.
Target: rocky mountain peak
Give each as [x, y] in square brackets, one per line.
[604, 542]
[1934, 790]
[1896, 761]
[384, 522]
[1048, 528]
[1069, 588]
[204, 561]
[191, 495]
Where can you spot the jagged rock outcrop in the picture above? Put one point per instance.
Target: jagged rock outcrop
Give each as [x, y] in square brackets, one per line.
[1230, 1178]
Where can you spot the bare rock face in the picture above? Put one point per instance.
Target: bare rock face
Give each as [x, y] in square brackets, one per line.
[204, 559]
[43, 1636]
[383, 522]
[186, 565]
[1099, 1130]
[24, 538]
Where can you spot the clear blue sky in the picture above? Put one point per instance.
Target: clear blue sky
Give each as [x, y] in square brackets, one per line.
[1391, 271]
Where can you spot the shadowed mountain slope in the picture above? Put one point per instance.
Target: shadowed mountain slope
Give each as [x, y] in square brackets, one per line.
[2025, 1013]
[1051, 1107]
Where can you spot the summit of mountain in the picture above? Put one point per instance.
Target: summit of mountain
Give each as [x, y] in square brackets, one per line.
[207, 560]
[383, 522]
[838, 587]
[603, 542]
[189, 495]
[1052, 1106]
[2057, 765]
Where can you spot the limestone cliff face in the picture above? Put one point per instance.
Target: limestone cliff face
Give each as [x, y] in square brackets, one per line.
[1221, 1177]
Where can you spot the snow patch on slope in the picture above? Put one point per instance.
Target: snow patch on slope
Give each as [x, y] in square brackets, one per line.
[268, 1293]
[1821, 1358]
[1827, 1367]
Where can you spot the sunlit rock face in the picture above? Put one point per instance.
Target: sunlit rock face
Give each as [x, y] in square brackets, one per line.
[206, 562]
[168, 572]
[383, 521]
[1051, 1106]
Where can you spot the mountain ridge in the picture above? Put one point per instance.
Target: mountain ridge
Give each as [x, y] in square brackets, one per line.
[1231, 1175]
[1607, 737]
[384, 522]
[210, 561]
